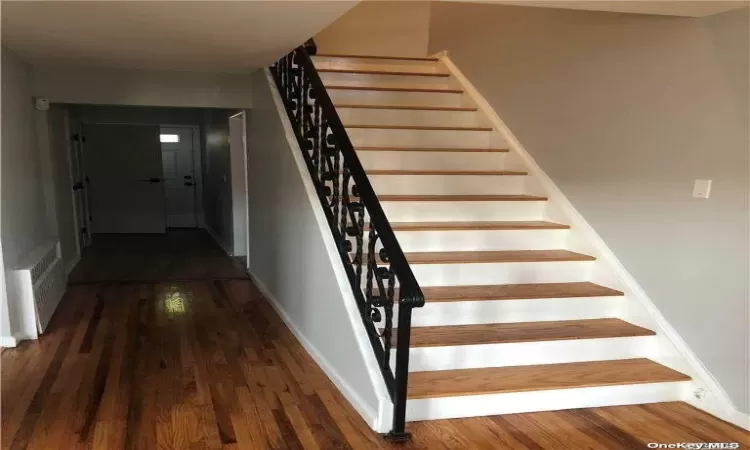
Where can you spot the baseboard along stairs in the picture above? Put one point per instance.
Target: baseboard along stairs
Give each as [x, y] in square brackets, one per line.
[521, 313]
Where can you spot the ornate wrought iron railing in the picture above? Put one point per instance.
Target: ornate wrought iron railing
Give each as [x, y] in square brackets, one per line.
[379, 275]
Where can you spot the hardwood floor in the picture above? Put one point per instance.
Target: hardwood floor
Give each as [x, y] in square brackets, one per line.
[181, 254]
[208, 364]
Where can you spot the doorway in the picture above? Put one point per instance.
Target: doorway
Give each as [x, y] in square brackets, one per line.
[178, 168]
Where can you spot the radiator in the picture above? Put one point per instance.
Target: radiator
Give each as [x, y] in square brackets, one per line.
[40, 282]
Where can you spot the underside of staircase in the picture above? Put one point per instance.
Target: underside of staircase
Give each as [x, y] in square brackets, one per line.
[512, 320]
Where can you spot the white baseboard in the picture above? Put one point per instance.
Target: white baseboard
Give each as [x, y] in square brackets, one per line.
[349, 393]
[716, 401]
[8, 341]
[715, 406]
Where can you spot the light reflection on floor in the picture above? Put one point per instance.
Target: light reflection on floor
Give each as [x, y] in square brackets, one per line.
[174, 301]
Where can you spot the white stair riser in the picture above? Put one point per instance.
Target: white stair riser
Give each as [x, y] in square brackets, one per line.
[467, 240]
[353, 116]
[362, 137]
[529, 353]
[447, 184]
[373, 160]
[514, 311]
[501, 273]
[549, 400]
[393, 65]
[395, 98]
[361, 79]
[462, 211]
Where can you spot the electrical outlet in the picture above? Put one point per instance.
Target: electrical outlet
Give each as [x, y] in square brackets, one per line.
[702, 188]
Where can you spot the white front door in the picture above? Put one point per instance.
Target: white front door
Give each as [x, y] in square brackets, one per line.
[179, 176]
[123, 164]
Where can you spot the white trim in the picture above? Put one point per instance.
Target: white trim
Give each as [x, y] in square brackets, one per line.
[716, 401]
[8, 341]
[247, 189]
[543, 400]
[378, 420]
[243, 116]
[71, 179]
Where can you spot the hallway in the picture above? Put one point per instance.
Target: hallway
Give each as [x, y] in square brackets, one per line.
[162, 342]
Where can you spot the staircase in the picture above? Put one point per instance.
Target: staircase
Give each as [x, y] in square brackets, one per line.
[512, 320]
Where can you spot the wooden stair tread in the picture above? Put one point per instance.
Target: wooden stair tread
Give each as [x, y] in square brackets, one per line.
[517, 291]
[416, 127]
[486, 225]
[407, 107]
[385, 72]
[461, 198]
[497, 256]
[444, 172]
[505, 333]
[433, 149]
[495, 380]
[398, 58]
[395, 89]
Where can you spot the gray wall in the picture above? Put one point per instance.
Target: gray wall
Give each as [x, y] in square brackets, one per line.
[105, 86]
[137, 115]
[288, 254]
[217, 175]
[22, 217]
[624, 112]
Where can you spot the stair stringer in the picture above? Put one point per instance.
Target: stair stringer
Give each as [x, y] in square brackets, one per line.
[704, 391]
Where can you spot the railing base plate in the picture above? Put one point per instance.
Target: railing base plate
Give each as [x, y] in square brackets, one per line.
[397, 437]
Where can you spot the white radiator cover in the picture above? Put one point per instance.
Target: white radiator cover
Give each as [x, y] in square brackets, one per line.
[40, 282]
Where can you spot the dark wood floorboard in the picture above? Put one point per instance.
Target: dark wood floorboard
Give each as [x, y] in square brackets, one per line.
[208, 364]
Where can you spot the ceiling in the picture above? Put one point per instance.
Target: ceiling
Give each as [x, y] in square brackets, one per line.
[206, 36]
[686, 8]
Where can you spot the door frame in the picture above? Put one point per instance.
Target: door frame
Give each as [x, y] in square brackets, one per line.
[243, 115]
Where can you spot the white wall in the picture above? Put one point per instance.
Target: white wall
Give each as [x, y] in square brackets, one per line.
[385, 28]
[22, 206]
[624, 112]
[293, 256]
[141, 87]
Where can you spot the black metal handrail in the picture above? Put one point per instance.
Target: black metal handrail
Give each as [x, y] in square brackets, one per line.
[348, 200]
